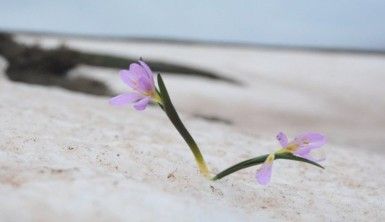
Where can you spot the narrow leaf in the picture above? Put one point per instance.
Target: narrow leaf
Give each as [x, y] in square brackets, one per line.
[163, 91]
[259, 160]
[290, 156]
[170, 111]
[240, 166]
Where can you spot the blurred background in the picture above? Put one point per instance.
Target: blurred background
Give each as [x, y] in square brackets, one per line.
[257, 66]
[346, 24]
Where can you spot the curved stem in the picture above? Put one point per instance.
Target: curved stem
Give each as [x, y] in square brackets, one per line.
[169, 109]
[240, 166]
[259, 160]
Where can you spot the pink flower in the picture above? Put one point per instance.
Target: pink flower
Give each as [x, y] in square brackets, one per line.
[264, 172]
[301, 146]
[140, 78]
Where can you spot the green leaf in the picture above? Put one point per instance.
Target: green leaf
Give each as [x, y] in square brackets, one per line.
[259, 160]
[170, 111]
[239, 166]
[163, 91]
[290, 156]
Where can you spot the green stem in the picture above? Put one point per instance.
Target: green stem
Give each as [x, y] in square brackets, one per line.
[259, 160]
[169, 109]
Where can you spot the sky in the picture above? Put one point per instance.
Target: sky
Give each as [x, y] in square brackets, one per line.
[351, 24]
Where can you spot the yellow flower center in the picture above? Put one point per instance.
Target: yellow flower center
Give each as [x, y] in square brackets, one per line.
[291, 147]
[155, 97]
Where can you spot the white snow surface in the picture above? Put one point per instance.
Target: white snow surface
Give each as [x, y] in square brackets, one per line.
[67, 156]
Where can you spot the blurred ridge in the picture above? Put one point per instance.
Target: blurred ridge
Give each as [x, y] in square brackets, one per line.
[165, 40]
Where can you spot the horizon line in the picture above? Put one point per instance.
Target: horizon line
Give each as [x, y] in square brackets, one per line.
[169, 40]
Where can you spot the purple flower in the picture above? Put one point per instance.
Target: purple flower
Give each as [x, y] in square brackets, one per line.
[264, 172]
[140, 79]
[301, 146]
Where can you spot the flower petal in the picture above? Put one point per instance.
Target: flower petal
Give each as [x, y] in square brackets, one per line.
[125, 98]
[148, 71]
[128, 77]
[282, 138]
[303, 151]
[312, 140]
[264, 173]
[142, 104]
[138, 70]
[145, 86]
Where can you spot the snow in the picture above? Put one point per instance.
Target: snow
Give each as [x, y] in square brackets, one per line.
[67, 156]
